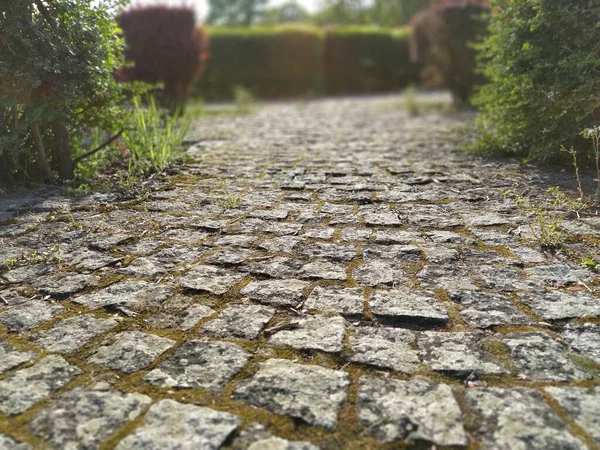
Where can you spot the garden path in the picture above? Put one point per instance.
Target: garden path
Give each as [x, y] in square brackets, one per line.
[329, 274]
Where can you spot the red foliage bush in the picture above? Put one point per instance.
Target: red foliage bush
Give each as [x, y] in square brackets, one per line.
[164, 45]
[441, 37]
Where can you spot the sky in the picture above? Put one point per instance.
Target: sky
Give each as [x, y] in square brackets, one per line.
[202, 5]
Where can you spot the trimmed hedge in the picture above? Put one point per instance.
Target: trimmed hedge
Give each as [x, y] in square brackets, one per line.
[295, 61]
[164, 45]
[366, 59]
[270, 62]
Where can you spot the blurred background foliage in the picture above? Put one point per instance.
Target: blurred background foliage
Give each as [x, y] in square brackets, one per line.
[78, 78]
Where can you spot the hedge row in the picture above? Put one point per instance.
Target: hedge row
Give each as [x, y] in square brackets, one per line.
[293, 61]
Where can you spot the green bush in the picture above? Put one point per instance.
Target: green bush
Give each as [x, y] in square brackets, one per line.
[56, 80]
[543, 62]
[272, 62]
[366, 59]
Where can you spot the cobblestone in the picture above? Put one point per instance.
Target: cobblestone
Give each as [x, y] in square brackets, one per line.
[200, 364]
[419, 409]
[170, 425]
[311, 393]
[84, 419]
[518, 418]
[373, 289]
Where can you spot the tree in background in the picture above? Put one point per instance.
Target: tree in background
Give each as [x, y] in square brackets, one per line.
[393, 13]
[342, 12]
[289, 12]
[236, 12]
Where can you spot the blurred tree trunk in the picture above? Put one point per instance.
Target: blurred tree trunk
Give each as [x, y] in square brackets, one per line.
[62, 152]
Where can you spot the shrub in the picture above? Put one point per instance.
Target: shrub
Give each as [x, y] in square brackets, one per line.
[366, 59]
[165, 46]
[56, 79]
[441, 39]
[273, 62]
[543, 62]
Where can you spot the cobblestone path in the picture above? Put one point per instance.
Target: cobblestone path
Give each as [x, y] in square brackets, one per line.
[330, 275]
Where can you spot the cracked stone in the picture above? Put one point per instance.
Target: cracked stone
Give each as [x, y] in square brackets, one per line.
[26, 387]
[560, 272]
[178, 255]
[397, 237]
[236, 240]
[494, 237]
[85, 419]
[108, 242]
[518, 418]
[411, 307]
[483, 219]
[239, 321]
[229, 256]
[200, 364]
[459, 354]
[528, 255]
[384, 347]
[277, 267]
[483, 310]
[89, 259]
[356, 234]
[28, 274]
[330, 251]
[143, 247]
[72, 333]
[65, 285]
[396, 253]
[190, 237]
[10, 358]
[332, 208]
[585, 339]
[314, 333]
[433, 221]
[28, 315]
[257, 438]
[561, 305]
[170, 425]
[7, 443]
[135, 295]
[449, 237]
[383, 218]
[373, 273]
[541, 358]
[210, 279]
[347, 301]
[506, 279]
[282, 228]
[319, 233]
[144, 268]
[270, 214]
[308, 392]
[180, 313]
[276, 292]
[285, 244]
[130, 351]
[440, 254]
[324, 270]
[583, 404]
[418, 409]
[435, 276]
